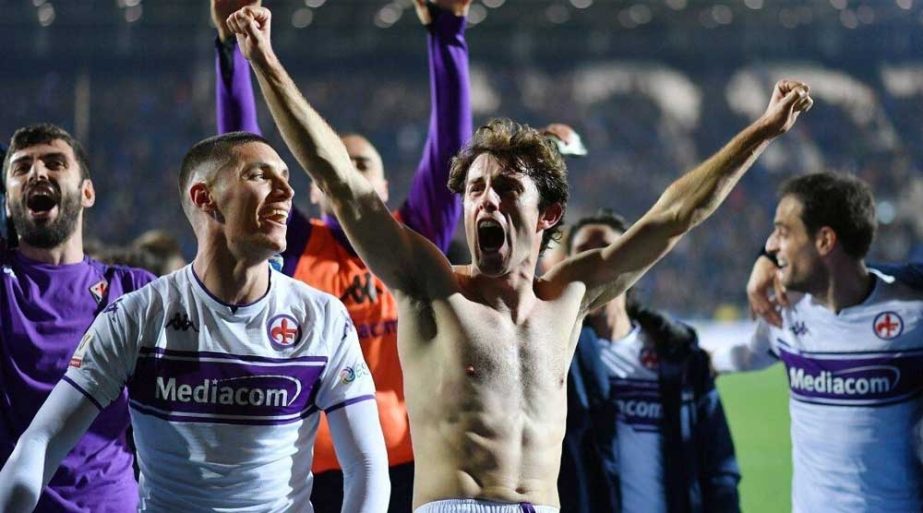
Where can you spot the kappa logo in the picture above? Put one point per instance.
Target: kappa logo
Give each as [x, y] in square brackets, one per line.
[799, 328]
[181, 322]
[98, 290]
[284, 331]
[361, 291]
[113, 307]
[888, 325]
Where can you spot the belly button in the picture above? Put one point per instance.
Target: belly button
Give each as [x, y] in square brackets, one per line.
[469, 370]
[521, 490]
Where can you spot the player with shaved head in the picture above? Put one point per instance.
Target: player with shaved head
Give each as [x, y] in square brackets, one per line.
[227, 364]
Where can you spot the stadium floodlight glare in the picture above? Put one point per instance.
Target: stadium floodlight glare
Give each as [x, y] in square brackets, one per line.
[302, 17]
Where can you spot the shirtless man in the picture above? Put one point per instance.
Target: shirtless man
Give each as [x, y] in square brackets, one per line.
[486, 347]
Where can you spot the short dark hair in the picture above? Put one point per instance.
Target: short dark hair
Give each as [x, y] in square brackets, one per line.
[525, 150]
[215, 150]
[45, 133]
[604, 216]
[842, 202]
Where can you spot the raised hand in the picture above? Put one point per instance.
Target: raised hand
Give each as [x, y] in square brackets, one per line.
[789, 99]
[222, 9]
[765, 292]
[456, 7]
[251, 25]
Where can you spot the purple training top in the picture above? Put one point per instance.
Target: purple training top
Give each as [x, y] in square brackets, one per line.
[431, 208]
[45, 310]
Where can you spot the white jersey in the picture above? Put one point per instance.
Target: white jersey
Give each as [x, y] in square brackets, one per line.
[631, 364]
[855, 379]
[224, 399]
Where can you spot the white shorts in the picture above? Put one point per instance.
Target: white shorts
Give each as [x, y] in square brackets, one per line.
[482, 506]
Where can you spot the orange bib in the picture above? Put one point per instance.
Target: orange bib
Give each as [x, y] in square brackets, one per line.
[327, 265]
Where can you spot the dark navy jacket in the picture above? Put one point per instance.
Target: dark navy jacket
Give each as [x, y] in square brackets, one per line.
[700, 469]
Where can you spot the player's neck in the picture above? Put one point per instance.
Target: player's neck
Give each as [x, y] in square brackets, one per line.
[231, 280]
[849, 283]
[611, 321]
[511, 292]
[68, 252]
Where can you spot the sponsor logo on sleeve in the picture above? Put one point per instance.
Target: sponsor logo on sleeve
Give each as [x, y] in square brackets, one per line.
[77, 359]
[284, 331]
[351, 374]
[854, 380]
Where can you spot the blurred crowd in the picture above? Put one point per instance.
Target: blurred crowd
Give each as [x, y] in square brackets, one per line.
[643, 126]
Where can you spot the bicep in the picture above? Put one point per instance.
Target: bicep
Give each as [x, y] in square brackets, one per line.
[403, 259]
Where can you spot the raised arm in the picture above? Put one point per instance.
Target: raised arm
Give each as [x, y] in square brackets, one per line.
[56, 428]
[400, 257]
[235, 107]
[431, 208]
[687, 202]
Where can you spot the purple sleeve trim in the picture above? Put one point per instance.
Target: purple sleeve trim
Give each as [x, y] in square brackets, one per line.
[296, 240]
[82, 391]
[431, 208]
[347, 402]
[235, 106]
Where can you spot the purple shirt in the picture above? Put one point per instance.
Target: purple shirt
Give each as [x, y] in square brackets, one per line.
[45, 310]
[431, 208]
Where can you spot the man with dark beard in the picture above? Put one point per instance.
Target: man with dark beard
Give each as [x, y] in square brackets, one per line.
[50, 292]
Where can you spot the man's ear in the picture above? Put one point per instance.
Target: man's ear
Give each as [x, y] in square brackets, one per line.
[87, 193]
[550, 216]
[202, 200]
[825, 240]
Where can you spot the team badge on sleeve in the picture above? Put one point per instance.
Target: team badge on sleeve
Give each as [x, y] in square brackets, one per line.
[283, 331]
[77, 359]
[888, 325]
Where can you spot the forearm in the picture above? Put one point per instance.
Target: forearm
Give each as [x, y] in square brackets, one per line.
[697, 194]
[431, 208]
[21, 478]
[360, 447]
[313, 142]
[235, 105]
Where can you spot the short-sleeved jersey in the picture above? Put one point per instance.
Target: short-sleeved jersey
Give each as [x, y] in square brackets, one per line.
[224, 399]
[44, 311]
[855, 379]
[634, 390]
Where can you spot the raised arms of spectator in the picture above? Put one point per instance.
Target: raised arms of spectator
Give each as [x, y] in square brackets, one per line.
[235, 107]
[56, 428]
[396, 254]
[431, 208]
[688, 201]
